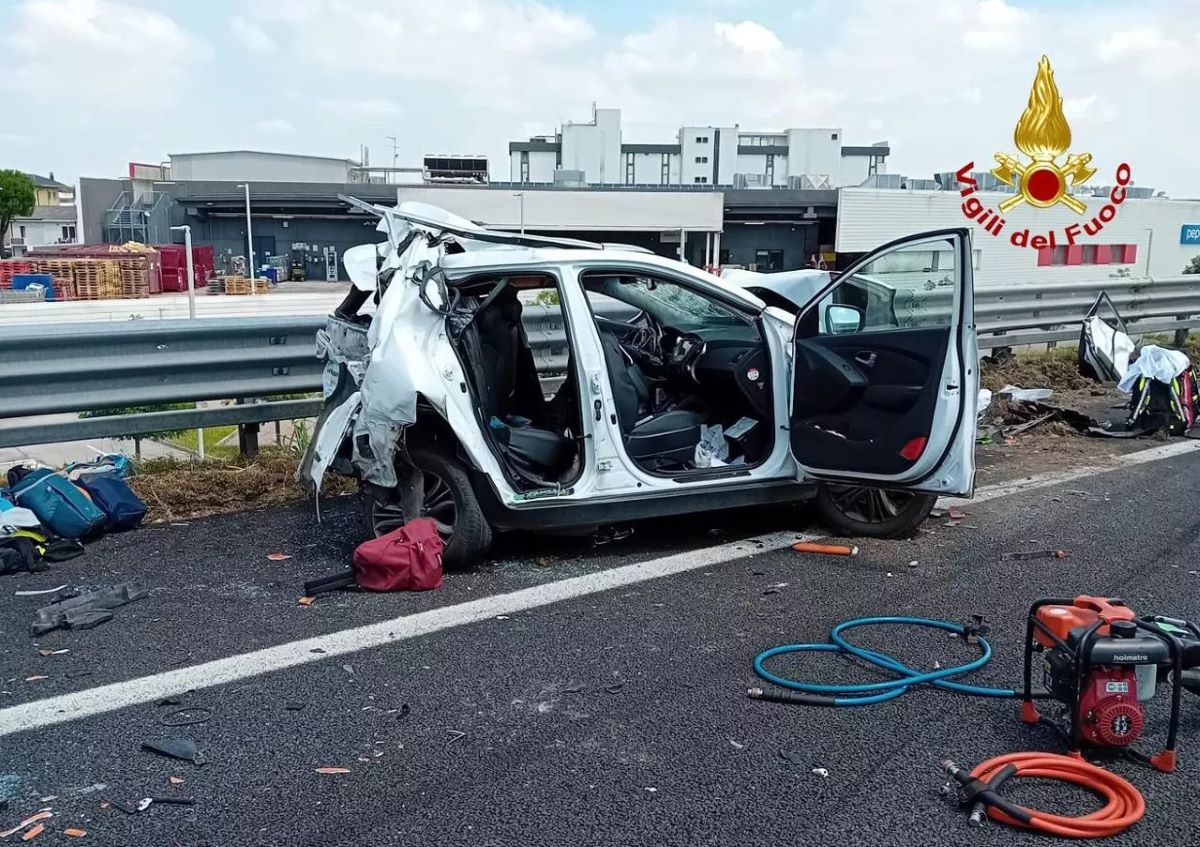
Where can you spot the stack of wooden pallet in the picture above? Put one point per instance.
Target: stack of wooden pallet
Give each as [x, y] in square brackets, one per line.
[9, 267]
[97, 279]
[242, 285]
[135, 276]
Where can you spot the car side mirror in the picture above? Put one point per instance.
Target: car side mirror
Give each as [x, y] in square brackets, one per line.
[840, 320]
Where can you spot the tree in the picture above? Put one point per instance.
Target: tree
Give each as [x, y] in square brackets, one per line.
[17, 198]
[137, 410]
[1193, 266]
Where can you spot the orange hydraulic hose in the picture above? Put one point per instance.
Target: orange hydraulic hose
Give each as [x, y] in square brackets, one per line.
[1123, 808]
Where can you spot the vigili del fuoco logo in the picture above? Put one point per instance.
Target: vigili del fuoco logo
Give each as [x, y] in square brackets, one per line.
[1043, 178]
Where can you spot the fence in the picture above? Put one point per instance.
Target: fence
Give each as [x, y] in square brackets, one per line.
[76, 368]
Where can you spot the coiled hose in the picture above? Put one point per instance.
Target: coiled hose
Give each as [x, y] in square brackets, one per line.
[1124, 805]
[869, 693]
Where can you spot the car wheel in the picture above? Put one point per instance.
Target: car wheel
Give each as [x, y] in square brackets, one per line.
[449, 500]
[859, 511]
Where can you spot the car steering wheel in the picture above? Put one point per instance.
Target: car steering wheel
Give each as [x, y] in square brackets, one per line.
[687, 351]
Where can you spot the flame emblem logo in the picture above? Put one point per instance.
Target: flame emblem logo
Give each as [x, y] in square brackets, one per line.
[1043, 135]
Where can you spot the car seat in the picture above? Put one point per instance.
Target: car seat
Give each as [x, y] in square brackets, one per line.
[659, 440]
[510, 392]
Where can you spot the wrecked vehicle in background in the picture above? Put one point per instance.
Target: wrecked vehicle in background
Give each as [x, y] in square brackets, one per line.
[677, 393]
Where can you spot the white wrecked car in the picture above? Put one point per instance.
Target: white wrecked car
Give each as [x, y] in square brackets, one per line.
[496, 381]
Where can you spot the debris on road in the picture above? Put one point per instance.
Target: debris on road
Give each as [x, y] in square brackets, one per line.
[774, 589]
[294, 706]
[34, 833]
[176, 748]
[456, 735]
[822, 772]
[29, 821]
[306, 601]
[29, 592]
[279, 557]
[74, 832]
[186, 716]
[827, 549]
[36, 678]
[86, 610]
[52, 652]
[792, 757]
[175, 780]
[333, 771]
[1029, 555]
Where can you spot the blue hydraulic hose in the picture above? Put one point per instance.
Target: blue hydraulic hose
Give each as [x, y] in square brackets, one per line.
[868, 693]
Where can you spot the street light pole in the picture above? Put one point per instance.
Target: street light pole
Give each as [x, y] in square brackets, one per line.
[191, 272]
[251, 270]
[520, 195]
[191, 269]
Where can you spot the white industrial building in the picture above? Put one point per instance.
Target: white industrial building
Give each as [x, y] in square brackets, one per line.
[1153, 237]
[595, 153]
[257, 166]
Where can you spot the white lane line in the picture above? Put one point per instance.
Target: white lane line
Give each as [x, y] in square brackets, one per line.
[107, 698]
[1045, 480]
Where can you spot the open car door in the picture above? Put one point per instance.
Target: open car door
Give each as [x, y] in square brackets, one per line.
[886, 402]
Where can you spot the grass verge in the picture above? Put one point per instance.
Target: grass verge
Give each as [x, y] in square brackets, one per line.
[175, 490]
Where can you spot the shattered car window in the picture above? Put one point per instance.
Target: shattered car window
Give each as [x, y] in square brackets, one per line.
[668, 302]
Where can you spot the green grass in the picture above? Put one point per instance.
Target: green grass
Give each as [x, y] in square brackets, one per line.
[188, 440]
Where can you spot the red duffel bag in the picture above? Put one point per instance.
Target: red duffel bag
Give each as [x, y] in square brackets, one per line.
[406, 559]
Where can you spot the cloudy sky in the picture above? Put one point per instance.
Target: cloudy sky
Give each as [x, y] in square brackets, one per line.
[91, 85]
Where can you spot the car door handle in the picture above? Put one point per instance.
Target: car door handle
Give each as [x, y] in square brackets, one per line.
[865, 358]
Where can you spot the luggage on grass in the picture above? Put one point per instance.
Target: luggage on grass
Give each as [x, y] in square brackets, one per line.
[115, 498]
[61, 507]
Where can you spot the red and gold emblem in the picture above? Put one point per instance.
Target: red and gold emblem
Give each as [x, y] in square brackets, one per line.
[1043, 135]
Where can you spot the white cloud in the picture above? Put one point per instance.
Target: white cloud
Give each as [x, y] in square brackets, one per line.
[749, 37]
[943, 80]
[1151, 51]
[997, 26]
[274, 126]
[252, 36]
[1091, 107]
[122, 53]
[376, 107]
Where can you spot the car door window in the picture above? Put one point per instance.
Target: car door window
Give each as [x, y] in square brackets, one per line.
[911, 287]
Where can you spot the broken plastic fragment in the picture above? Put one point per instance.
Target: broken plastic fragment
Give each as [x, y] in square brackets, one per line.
[40, 816]
[34, 833]
[176, 748]
[72, 832]
[175, 780]
[333, 770]
[306, 601]
[278, 557]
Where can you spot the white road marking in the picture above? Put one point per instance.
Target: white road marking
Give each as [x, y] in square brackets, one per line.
[107, 698]
[1045, 480]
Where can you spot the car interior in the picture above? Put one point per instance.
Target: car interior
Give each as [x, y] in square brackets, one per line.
[691, 377]
[533, 425]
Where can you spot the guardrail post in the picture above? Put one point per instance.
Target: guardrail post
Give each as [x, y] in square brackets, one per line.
[247, 436]
[1181, 337]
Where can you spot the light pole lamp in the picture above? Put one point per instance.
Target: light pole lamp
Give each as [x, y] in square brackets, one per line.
[252, 269]
[520, 195]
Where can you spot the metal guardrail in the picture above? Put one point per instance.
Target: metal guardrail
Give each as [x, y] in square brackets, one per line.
[93, 367]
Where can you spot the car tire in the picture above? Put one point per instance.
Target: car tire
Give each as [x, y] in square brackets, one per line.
[464, 529]
[864, 512]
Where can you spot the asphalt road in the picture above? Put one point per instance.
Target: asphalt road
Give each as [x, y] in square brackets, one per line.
[617, 717]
